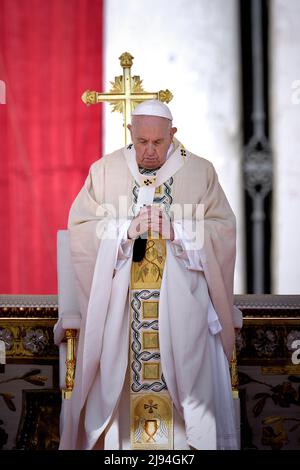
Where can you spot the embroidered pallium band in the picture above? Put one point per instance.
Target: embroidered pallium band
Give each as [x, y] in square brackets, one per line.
[151, 407]
[149, 181]
[162, 194]
[151, 426]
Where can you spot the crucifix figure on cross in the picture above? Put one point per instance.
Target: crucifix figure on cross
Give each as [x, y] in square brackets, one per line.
[126, 93]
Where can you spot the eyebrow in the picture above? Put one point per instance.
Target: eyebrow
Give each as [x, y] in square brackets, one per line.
[142, 139]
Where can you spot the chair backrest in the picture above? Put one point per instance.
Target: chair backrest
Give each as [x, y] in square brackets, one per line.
[67, 293]
[68, 306]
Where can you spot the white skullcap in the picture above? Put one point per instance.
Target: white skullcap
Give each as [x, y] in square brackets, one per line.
[152, 108]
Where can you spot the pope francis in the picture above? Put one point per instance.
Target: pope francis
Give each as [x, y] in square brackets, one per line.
[153, 247]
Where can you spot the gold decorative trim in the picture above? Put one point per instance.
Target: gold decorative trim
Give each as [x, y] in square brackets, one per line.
[272, 320]
[150, 340]
[70, 363]
[150, 309]
[26, 327]
[26, 340]
[234, 374]
[28, 322]
[281, 370]
[151, 371]
[28, 307]
[66, 394]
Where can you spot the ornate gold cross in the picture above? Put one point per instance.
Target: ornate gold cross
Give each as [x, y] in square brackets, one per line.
[126, 93]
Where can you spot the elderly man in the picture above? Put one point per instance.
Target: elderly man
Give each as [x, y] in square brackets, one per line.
[153, 246]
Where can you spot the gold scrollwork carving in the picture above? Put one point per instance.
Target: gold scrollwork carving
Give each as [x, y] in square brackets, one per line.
[70, 374]
[26, 339]
[70, 363]
[234, 375]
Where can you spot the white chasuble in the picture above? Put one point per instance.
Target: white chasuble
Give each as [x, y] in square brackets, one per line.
[186, 379]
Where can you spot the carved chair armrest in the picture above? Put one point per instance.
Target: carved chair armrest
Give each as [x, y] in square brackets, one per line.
[65, 333]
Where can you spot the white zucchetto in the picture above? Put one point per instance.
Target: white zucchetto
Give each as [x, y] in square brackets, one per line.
[152, 108]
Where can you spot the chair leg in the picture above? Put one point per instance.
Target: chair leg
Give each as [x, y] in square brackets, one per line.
[70, 363]
[234, 375]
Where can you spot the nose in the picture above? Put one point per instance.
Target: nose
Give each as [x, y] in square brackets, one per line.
[150, 149]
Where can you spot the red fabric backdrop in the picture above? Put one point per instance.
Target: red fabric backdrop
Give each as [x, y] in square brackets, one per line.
[50, 52]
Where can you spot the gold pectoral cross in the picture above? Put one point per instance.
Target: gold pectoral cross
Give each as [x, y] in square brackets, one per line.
[126, 93]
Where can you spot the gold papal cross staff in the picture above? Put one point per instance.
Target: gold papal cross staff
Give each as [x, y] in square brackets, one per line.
[126, 93]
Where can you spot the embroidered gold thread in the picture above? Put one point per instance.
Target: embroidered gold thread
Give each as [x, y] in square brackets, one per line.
[150, 340]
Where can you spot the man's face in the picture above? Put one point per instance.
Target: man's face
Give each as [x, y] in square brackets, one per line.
[151, 137]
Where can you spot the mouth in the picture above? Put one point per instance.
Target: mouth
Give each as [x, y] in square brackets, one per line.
[150, 158]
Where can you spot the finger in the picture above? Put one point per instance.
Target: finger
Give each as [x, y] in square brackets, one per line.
[156, 210]
[144, 218]
[155, 228]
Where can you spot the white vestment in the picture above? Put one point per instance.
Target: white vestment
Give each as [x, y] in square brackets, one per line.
[195, 308]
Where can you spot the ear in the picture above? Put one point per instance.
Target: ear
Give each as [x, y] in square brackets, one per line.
[173, 131]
